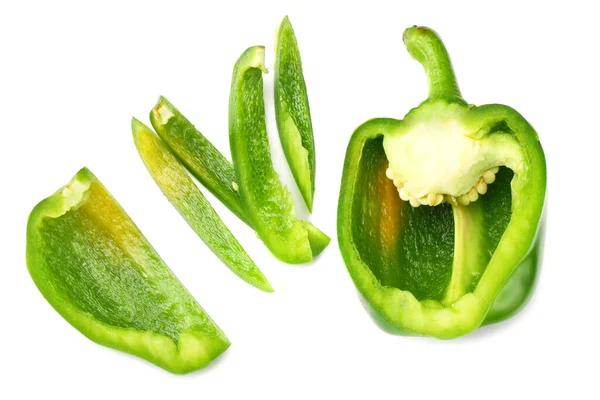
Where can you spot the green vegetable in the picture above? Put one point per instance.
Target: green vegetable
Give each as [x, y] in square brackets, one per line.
[293, 113]
[195, 151]
[268, 204]
[94, 266]
[181, 191]
[198, 155]
[440, 216]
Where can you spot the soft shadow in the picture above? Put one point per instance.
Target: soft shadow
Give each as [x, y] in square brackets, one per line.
[496, 329]
[480, 334]
[191, 375]
[206, 370]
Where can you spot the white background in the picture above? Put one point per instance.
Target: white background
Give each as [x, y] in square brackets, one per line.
[73, 75]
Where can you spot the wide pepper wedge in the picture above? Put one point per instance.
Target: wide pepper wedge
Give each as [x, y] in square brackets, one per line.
[95, 267]
[441, 214]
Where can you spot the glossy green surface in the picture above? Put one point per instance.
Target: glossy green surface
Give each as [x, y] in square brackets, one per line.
[94, 266]
[268, 204]
[187, 198]
[292, 112]
[443, 271]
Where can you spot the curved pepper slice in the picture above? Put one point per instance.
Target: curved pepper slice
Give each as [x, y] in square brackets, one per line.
[182, 192]
[269, 206]
[209, 166]
[440, 215]
[197, 153]
[292, 112]
[94, 266]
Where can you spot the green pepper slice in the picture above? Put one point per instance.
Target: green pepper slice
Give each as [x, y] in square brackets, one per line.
[197, 153]
[94, 266]
[180, 190]
[440, 215]
[209, 166]
[292, 112]
[268, 204]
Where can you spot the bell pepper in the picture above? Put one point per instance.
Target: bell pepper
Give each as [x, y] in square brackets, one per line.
[441, 214]
[182, 192]
[292, 112]
[94, 266]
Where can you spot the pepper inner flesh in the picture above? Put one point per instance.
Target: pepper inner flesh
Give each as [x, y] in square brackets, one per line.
[102, 237]
[437, 252]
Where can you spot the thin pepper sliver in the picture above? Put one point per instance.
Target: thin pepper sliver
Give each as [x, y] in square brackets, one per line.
[94, 266]
[197, 153]
[175, 183]
[209, 166]
[292, 112]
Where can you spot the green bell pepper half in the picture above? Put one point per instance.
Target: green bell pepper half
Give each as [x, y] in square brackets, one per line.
[175, 183]
[292, 112]
[94, 266]
[441, 214]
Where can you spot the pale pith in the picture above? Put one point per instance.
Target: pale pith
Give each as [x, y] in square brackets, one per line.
[434, 199]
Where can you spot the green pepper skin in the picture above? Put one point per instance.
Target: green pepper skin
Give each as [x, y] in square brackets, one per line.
[269, 205]
[94, 266]
[397, 255]
[182, 192]
[292, 112]
[209, 166]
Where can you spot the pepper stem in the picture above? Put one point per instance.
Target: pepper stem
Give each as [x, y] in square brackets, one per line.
[425, 46]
